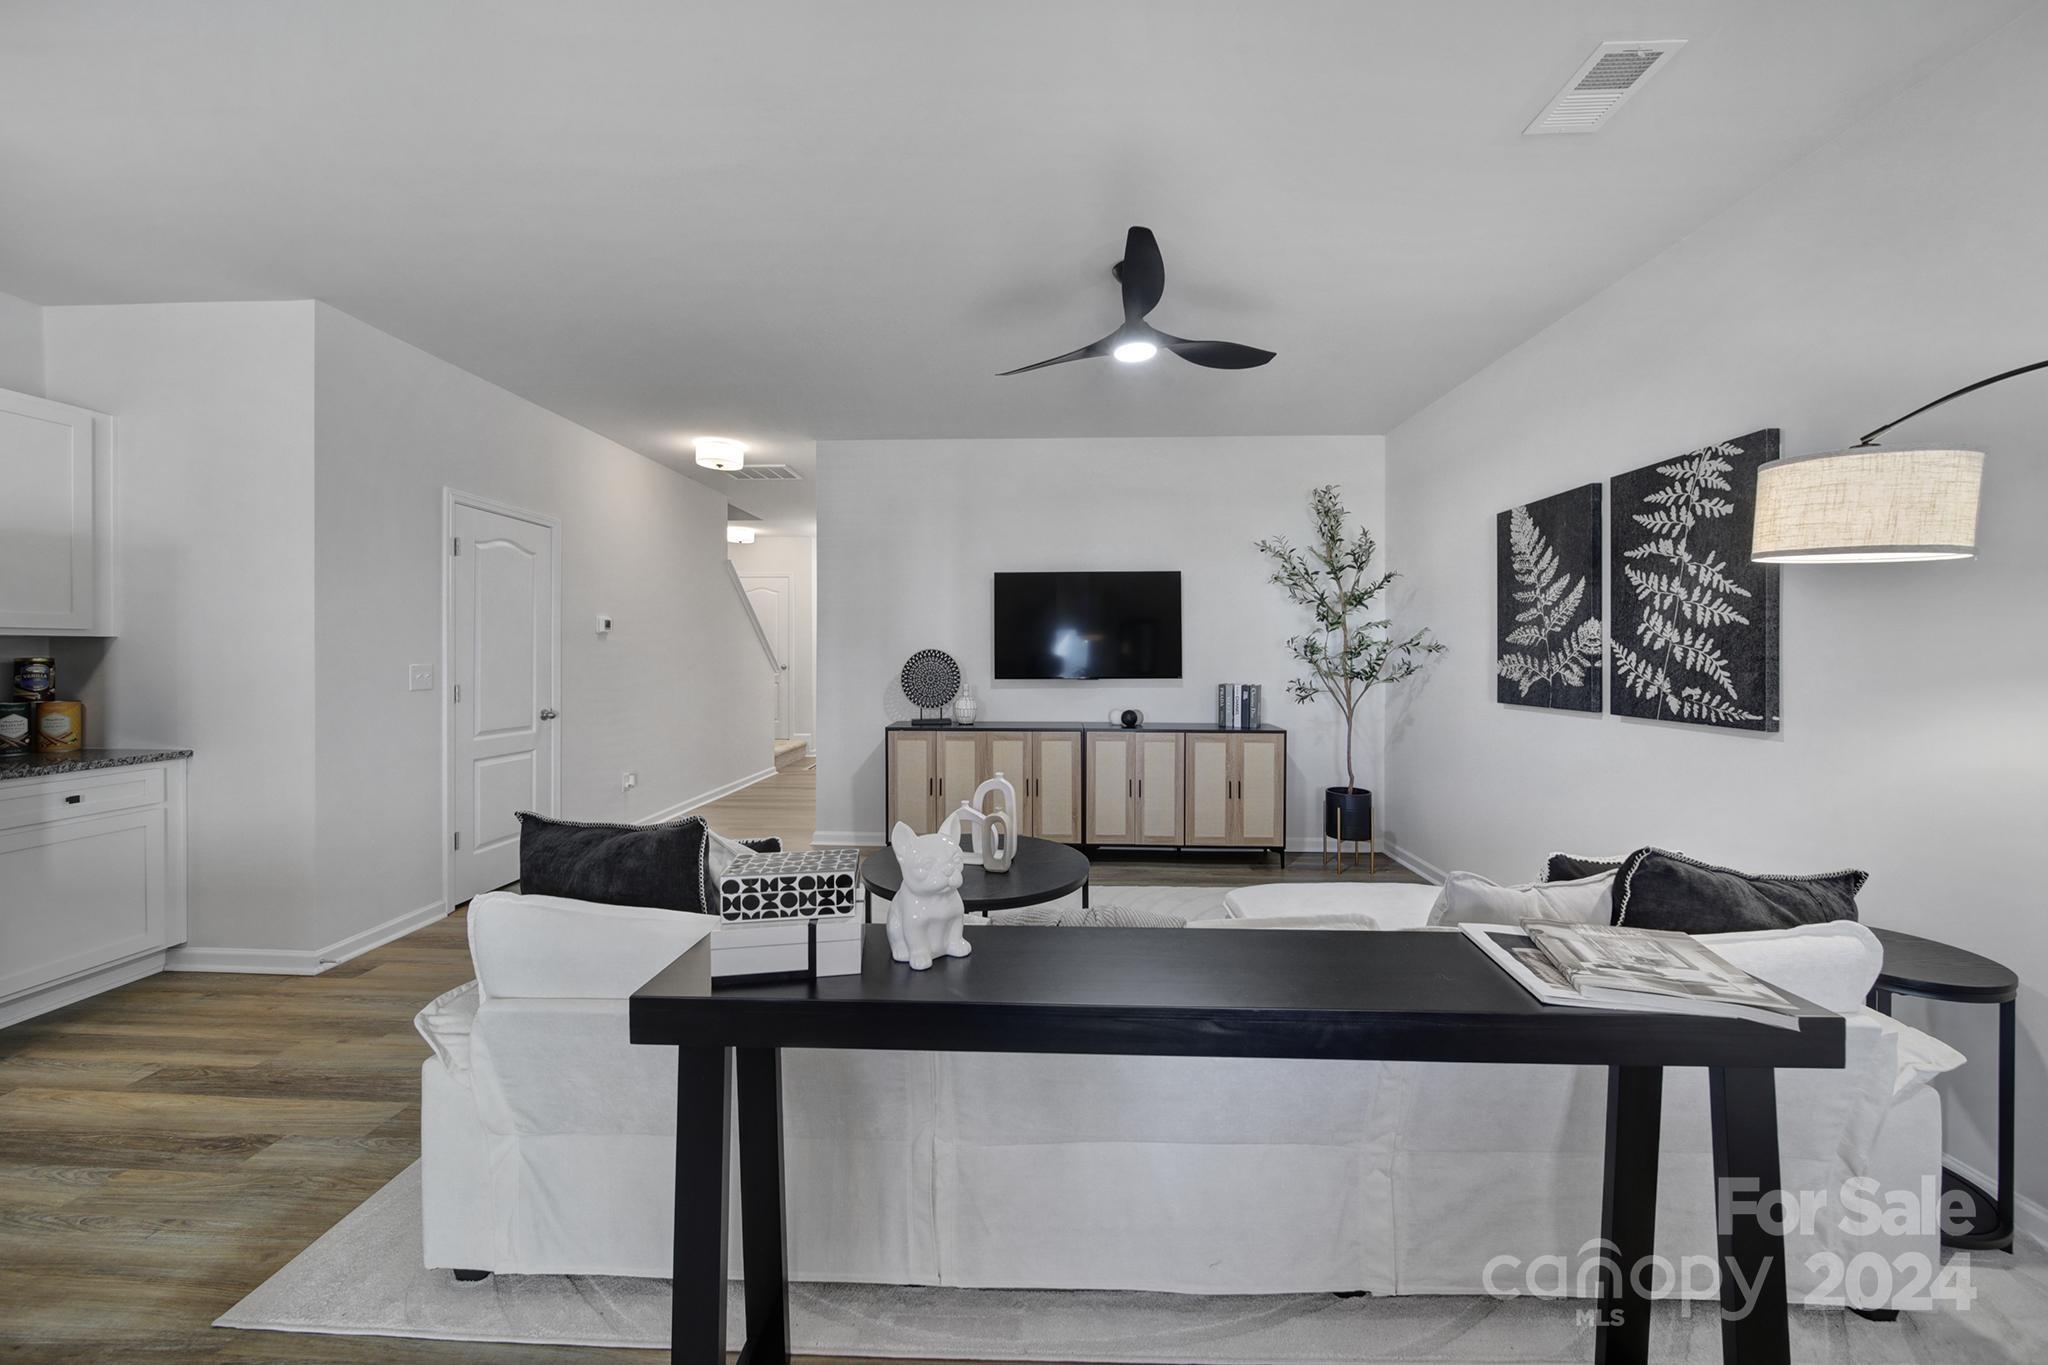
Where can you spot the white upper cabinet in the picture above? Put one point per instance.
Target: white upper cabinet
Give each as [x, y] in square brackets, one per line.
[56, 519]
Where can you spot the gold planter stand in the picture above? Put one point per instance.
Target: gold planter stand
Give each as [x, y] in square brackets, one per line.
[1369, 842]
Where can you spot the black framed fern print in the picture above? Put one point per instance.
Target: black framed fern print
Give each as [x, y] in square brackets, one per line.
[1695, 624]
[1548, 602]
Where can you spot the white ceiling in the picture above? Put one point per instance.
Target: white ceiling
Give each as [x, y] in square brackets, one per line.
[801, 221]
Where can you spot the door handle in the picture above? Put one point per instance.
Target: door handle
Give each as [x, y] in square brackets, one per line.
[548, 713]
[73, 799]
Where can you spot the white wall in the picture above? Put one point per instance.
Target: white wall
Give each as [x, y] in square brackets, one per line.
[909, 533]
[21, 346]
[213, 484]
[673, 693]
[1889, 267]
[796, 556]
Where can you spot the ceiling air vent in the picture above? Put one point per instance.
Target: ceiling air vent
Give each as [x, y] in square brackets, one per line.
[763, 471]
[1613, 73]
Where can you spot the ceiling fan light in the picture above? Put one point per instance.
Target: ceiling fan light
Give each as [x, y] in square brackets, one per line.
[721, 453]
[1135, 352]
[1868, 506]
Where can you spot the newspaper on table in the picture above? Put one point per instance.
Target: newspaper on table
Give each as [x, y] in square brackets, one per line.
[1613, 967]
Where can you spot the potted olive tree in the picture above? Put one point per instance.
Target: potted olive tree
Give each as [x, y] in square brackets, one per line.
[1347, 654]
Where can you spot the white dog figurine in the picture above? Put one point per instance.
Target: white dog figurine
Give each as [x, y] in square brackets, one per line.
[925, 917]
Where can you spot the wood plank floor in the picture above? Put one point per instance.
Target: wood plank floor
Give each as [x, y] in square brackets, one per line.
[167, 1146]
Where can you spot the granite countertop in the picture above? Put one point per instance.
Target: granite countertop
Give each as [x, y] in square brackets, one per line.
[84, 760]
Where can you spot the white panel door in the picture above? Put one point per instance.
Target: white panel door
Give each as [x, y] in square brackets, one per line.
[47, 524]
[502, 653]
[769, 596]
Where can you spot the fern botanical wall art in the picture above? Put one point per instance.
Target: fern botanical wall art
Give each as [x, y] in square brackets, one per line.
[1695, 623]
[1550, 644]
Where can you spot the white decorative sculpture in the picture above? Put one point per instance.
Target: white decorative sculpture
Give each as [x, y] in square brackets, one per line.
[970, 817]
[926, 916]
[1002, 841]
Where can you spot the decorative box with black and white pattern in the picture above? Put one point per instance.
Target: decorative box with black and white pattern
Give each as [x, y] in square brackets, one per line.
[816, 883]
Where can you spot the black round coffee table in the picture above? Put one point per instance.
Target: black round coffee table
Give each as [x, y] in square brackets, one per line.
[1041, 871]
[1939, 971]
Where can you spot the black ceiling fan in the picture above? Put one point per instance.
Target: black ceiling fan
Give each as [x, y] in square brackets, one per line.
[1143, 277]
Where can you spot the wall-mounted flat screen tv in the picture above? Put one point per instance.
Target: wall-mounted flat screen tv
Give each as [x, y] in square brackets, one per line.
[1087, 625]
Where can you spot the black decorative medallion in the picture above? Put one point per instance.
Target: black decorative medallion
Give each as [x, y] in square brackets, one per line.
[931, 679]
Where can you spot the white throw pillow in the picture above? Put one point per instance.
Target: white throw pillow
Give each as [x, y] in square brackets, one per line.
[1469, 898]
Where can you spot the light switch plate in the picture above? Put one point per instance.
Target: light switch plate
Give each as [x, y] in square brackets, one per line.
[419, 678]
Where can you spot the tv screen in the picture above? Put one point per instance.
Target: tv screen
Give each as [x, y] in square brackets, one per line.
[1087, 625]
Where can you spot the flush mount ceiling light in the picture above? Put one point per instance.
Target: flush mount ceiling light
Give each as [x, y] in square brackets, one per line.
[1869, 505]
[721, 452]
[739, 535]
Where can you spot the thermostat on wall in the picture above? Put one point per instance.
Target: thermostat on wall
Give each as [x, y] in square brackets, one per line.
[604, 624]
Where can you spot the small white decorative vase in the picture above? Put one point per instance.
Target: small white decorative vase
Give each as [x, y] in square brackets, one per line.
[965, 707]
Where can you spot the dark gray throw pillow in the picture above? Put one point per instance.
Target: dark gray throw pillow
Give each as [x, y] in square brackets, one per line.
[661, 866]
[1571, 867]
[1656, 889]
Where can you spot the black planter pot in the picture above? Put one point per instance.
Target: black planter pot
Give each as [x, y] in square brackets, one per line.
[1352, 806]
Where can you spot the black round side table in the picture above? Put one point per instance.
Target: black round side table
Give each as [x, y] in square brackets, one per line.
[1042, 871]
[1937, 971]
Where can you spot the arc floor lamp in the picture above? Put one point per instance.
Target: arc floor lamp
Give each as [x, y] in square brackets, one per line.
[1869, 505]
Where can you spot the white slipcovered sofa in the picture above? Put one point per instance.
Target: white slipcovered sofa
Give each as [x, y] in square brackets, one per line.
[548, 1145]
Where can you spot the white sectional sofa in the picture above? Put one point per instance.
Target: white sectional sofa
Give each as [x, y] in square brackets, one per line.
[548, 1146]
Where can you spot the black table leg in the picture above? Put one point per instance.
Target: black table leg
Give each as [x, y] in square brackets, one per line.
[764, 1252]
[1628, 1212]
[703, 1112]
[2005, 1169]
[1754, 1326]
[1084, 895]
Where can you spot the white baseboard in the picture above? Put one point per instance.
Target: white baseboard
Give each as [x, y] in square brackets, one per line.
[74, 989]
[840, 838]
[2029, 1217]
[301, 962]
[1428, 871]
[682, 808]
[398, 926]
[268, 961]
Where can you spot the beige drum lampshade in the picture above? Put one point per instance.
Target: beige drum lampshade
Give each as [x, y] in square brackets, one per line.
[1868, 505]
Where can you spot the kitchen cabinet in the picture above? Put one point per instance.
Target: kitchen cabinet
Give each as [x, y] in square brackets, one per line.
[56, 519]
[92, 865]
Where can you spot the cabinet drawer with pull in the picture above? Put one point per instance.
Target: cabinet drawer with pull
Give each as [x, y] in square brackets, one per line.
[39, 800]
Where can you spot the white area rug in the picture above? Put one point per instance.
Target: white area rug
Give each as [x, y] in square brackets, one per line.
[365, 1278]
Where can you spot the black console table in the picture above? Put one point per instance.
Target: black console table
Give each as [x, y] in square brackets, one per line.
[1937, 971]
[1138, 992]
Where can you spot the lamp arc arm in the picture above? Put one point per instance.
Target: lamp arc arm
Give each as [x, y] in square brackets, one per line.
[1870, 437]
